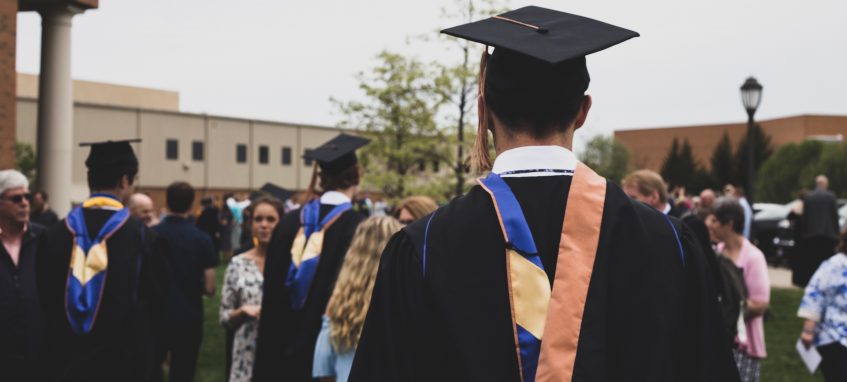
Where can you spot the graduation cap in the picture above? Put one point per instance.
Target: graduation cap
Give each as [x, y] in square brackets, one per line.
[544, 34]
[276, 191]
[110, 155]
[338, 154]
[539, 55]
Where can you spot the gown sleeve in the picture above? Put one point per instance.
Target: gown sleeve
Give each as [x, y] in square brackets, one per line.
[394, 330]
[708, 354]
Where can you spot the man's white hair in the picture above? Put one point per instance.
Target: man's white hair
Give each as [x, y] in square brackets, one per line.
[10, 179]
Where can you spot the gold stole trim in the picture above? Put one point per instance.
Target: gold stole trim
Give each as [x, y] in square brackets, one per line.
[574, 265]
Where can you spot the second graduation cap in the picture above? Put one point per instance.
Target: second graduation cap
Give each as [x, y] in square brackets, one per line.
[110, 154]
[338, 154]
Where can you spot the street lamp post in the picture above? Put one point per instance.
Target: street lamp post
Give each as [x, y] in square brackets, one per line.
[751, 97]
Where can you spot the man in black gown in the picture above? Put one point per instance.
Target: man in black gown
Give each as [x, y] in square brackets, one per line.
[101, 303]
[295, 297]
[442, 305]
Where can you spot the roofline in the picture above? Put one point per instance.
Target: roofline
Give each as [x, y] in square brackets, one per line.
[727, 124]
[189, 114]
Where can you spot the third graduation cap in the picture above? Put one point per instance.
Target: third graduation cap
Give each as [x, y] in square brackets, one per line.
[338, 154]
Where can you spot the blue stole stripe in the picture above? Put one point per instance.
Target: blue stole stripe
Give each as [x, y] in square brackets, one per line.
[530, 350]
[517, 230]
[518, 237]
[82, 301]
[299, 279]
[678, 242]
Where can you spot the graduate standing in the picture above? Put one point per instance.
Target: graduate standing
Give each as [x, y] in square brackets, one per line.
[101, 280]
[545, 271]
[303, 260]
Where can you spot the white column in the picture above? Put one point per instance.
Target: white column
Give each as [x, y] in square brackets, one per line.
[55, 107]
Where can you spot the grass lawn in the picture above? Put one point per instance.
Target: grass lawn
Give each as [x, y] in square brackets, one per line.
[782, 328]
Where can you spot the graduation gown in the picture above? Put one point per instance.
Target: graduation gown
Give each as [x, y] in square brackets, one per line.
[120, 346]
[648, 316]
[286, 341]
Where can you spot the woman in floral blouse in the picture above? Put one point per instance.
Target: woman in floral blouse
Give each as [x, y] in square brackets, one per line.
[241, 298]
[824, 306]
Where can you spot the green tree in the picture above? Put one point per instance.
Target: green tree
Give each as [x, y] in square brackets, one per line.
[669, 166]
[723, 164]
[403, 96]
[833, 164]
[462, 80]
[762, 151]
[788, 170]
[26, 160]
[607, 156]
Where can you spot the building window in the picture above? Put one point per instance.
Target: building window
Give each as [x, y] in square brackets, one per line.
[286, 156]
[197, 150]
[307, 161]
[172, 149]
[436, 166]
[241, 153]
[263, 154]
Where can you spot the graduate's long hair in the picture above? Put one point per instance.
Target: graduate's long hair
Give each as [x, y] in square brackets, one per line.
[351, 297]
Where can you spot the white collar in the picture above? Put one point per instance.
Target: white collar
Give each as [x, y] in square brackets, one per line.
[334, 198]
[667, 209]
[530, 161]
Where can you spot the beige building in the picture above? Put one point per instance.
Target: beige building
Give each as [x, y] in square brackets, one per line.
[215, 154]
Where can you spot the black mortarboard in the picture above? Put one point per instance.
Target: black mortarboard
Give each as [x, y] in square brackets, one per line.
[539, 59]
[276, 191]
[338, 154]
[544, 34]
[111, 155]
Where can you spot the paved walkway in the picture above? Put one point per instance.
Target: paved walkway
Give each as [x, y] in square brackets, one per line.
[780, 277]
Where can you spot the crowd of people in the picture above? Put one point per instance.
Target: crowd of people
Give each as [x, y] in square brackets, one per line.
[544, 270]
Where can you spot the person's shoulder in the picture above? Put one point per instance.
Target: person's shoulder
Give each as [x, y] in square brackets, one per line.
[460, 216]
[36, 229]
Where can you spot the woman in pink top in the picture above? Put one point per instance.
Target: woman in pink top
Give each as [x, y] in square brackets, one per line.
[726, 226]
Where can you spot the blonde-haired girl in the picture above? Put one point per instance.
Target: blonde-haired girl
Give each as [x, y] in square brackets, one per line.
[348, 306]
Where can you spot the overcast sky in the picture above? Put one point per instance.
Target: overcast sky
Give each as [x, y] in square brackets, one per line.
[283, 60]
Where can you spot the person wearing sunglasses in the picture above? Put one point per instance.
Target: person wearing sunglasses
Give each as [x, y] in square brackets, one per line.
[20, 315]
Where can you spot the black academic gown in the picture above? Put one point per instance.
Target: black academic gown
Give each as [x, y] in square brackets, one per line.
[121, 345]
[286, 341]
[647, 317]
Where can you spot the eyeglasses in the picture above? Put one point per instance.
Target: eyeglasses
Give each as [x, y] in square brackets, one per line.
[19, 198]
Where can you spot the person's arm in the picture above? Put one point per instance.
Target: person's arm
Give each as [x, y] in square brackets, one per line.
[209, 276]
[814, 302]
[758, 287]
[232, 313]
[323, 363]
[211, 262]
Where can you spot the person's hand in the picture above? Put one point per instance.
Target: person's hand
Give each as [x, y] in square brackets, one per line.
[807, 337]
[252, 311]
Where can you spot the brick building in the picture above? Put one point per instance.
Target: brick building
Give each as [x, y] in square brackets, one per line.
[649, 147]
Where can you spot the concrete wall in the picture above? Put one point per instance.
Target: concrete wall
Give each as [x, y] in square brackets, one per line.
[649, 147]
[107, 94]
[218, 172]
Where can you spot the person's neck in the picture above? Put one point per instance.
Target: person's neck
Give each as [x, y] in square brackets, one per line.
[112, 191]
[260, 250]
[348, 192]
[11, 227]
[504, 140]
[734, 242]
[183, 215]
